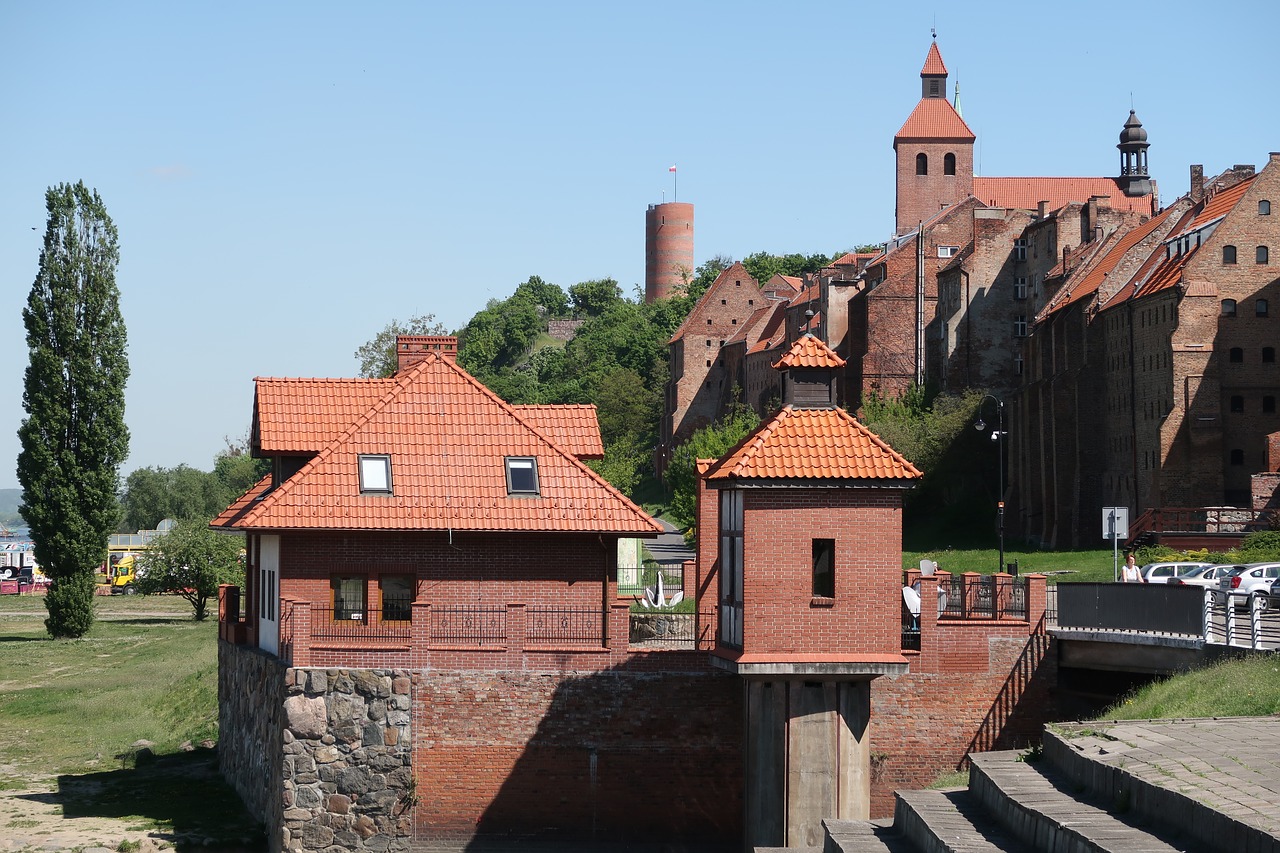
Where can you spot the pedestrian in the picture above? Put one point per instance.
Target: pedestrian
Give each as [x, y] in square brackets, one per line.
[1131, 573]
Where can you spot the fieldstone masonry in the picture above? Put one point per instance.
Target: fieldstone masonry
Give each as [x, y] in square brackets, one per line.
[323, 754]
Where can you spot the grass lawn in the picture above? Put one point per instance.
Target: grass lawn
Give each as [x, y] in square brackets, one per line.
[1058, 565]
[73, 709]
[1249, 687]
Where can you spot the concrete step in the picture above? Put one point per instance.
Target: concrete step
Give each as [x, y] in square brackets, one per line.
[951, 822]
[863, 836]
[1031, 801]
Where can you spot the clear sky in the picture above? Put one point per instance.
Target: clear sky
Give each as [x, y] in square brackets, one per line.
[287, 178]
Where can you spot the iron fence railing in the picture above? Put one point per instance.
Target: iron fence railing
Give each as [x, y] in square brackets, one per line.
[563, 625]
[328, 623]
[982, 597]
[634, 581]
[1255, 625]
[471, 626]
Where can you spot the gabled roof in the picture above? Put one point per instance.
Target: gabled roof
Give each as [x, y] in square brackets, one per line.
[1027, 193]
[1120, 247]
[699, 312]
[934, 118]
[301, 416]
[810, 351]
[815, 444]
[448, 438]
[853, 258]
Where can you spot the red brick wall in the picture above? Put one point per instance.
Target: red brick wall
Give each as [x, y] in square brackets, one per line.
[779, 527]
[546, 755]
[921, 196]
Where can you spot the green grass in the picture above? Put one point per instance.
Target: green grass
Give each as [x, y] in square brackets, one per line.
[74, 708]
[1058, 565]
[1248, 687]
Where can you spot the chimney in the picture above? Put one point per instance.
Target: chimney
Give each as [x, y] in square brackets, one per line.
[1043, 206]
[411, 349]
[1197, 183]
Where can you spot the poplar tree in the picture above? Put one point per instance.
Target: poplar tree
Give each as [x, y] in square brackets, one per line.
[74, 437]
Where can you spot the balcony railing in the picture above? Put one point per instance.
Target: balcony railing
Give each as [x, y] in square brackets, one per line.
[564, 626]
[329, 624]
[469, 626]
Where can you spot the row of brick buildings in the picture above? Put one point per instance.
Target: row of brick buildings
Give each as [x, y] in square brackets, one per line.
[1130, 342]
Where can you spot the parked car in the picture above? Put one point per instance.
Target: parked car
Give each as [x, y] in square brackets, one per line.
[1206, 577]
[1241, 582]
[1164, 572]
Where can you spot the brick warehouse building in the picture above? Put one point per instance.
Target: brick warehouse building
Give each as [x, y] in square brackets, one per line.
[432, 644]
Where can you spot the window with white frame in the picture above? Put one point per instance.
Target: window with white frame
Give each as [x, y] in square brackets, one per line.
[948, 251]
[1020, 249]
[1020, 287]
[1020, 326]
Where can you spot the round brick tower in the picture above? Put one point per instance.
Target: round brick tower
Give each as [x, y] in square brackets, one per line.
[668, 248]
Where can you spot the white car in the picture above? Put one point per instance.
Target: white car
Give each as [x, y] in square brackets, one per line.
[1163, 572]
[1245, 580]
[1206, 577]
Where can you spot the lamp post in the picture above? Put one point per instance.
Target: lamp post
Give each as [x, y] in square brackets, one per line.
[997, 435]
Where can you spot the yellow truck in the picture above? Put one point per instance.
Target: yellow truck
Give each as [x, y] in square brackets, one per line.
[124, 575]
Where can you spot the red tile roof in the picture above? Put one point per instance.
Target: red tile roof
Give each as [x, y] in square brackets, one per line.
[853, 258]
[448, 437]
[574, 427]
[297, 415]
[814, 444]
[809, 351]
[933, 63]
[1027, 193]
[934, 118]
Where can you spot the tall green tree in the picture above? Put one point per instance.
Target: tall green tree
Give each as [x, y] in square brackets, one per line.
[74, 436]
[190, 561]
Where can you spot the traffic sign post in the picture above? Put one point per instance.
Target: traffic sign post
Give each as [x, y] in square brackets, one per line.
[1115, 526]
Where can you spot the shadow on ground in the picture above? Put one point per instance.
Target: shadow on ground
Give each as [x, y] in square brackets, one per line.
[180, 795]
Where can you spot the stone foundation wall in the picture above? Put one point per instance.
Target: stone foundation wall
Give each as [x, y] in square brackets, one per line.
[348, 774]
[251, 693]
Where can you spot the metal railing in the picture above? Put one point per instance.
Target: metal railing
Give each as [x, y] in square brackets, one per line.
[469, 626]
[1149, 608]
[982, 597]
[564, 626]
[343, 624]
[634, 581]
[1256, 625]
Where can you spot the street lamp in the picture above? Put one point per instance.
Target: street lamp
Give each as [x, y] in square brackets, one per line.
[997, 435]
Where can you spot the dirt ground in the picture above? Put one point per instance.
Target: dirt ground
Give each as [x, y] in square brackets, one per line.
[33, 821]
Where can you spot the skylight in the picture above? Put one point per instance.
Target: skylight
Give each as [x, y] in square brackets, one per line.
[375, 475]
[522, 475]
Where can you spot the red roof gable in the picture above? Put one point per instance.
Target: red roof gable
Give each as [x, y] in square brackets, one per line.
[822, 444]
[934, 118]
[1027, 193]
[809, 351]
[448, 438]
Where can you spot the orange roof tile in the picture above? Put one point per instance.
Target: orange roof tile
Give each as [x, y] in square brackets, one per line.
[448, 437]
[810, 351]
[1220, 204]
[809, 294]
[814, 444]
[853, 258]
[934, 118]
[297, 415]
[1027, 193]
[933, 63]
[1122, 244]
[574, 427]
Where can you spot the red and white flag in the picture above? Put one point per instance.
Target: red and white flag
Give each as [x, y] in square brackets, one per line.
[672, 169]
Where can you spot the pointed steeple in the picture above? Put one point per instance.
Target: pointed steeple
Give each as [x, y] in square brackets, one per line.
[959, 112]
[933, 77]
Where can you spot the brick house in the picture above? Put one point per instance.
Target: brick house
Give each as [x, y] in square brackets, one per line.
[431, 642]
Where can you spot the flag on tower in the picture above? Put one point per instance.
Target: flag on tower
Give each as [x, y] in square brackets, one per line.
[672, 169]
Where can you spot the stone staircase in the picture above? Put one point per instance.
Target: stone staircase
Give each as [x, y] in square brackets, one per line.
[1066, 799]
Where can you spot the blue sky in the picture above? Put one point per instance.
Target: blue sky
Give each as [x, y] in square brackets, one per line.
[287, 178]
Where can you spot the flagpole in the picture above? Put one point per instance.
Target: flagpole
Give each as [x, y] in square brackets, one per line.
[675, 184]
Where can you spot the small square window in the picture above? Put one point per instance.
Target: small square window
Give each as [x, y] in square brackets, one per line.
[522, 475]
[396, 592]
[948, 251]
[375, 475]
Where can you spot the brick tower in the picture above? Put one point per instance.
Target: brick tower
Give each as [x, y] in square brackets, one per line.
[934, 151]
[668, 248]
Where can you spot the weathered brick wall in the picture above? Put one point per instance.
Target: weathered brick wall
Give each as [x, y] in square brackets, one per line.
[563, 330]
[990, 689]
[921, 196]
[251, 693]
[647, 756]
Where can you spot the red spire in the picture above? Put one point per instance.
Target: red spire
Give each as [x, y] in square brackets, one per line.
[933, 64]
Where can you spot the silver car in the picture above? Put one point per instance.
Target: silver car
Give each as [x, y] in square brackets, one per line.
[1164, 572]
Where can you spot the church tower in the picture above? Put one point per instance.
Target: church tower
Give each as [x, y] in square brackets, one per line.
[934, 151]
[1133, 158]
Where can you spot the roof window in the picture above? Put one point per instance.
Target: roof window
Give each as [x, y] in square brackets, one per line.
[375, 475]
[522, 475]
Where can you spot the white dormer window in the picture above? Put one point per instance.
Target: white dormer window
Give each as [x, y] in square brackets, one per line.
[948, 251]
[375, 475]
[522, 475]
